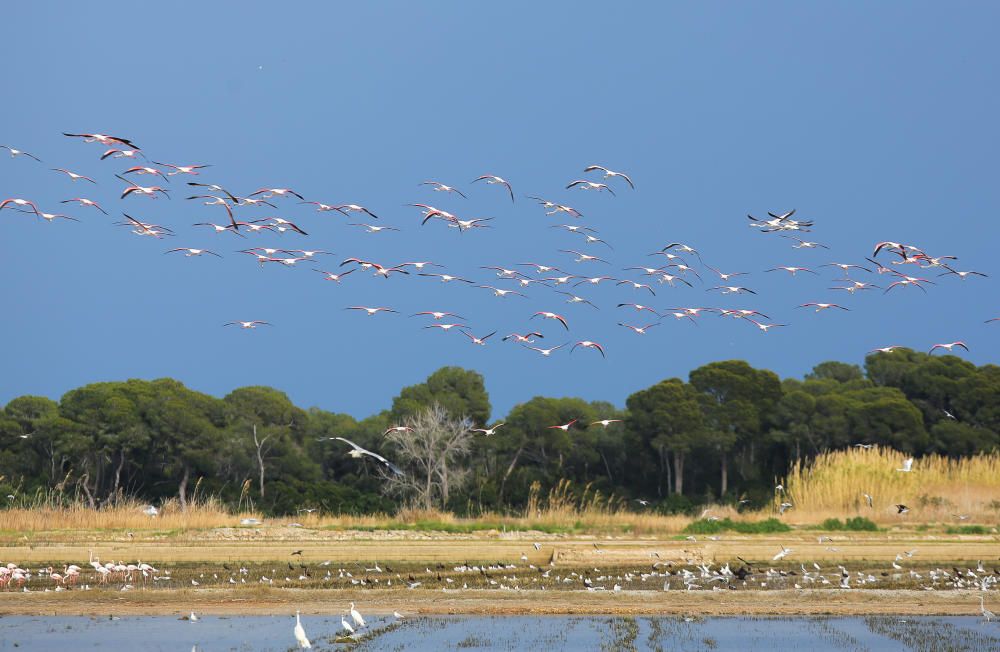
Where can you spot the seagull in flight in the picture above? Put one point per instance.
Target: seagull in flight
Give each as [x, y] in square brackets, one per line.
[358, 452]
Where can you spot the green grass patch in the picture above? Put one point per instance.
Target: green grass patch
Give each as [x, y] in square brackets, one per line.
[767, 526]
[967, 529]
[856, 524]
[462, 527]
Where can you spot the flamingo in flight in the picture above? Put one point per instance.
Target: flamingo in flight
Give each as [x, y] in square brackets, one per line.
[141, 169]
[220, 228]
[192, 252]
[371, 228]
[556, 208]
[949, 346]
[498, 292]
[279, 192]
[564, 427]
[214, 187]
[544, 352]
[330, 276]
[445, 278]
[447, 327]
[73, 175]
[370, 311]
[822, 306]
[123, 153]
[604, 422]
[83, 201]
[437, 315]
[805, 244]
[523, 339]
[575, 299]
[886, 349]
[764, 328]
[608, 174]
[584, 258]
[732, 289]
[16, 201]
[481, 341]
[492, 179]
[587, 344]
[19, 152]
[183, 169]
[552, 315]
[142, 190]
[440, 187]
[104, 139]
[639, 308]
[583, 184]
[249, 325]
[354, 208]
[639, 330]
[791, 270]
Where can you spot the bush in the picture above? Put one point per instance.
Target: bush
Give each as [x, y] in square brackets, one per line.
[767, 526]
[675, 504]
[967, 529]
[856, 524]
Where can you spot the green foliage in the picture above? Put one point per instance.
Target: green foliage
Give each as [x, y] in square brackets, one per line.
[723, 436]
[855, 524]
[968, 529]
[706, 526]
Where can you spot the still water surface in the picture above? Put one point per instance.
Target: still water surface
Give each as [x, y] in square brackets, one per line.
[551, 634]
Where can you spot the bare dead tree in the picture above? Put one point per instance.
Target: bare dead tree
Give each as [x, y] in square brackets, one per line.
[262, 450]
[433, 454]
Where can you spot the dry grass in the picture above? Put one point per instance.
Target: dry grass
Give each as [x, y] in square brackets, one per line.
[937, 489]
[124, 515]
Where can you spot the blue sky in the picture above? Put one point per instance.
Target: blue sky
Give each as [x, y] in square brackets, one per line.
[877, 120]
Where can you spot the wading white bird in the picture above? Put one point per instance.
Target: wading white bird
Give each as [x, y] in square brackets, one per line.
[356, 617]
[300, 633]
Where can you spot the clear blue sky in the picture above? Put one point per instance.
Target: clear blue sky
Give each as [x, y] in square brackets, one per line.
[877, 120]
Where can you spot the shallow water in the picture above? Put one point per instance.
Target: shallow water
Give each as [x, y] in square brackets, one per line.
[550, 633]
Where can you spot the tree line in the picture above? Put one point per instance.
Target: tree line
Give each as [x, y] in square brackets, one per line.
[725, 433]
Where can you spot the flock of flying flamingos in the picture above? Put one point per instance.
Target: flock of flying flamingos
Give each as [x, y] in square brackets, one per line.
[517, 278]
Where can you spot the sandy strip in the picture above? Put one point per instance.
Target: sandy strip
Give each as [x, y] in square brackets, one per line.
[496, 602]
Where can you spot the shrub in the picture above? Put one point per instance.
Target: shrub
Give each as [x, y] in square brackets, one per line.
[856, 524]
[704, 526]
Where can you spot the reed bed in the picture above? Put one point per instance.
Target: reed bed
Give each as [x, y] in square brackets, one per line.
[937, 489]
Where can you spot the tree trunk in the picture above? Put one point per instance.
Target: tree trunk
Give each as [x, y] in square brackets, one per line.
[510, 469]
[678, 472]
[118, 472]
[607, 467]
[86, 490]
[725, 475]
[182, 489]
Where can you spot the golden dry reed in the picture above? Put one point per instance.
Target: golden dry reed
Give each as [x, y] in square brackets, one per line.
[936, 489]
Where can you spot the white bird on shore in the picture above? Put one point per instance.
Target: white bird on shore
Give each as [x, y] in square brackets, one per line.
[987, 614]
[907, 465]
[300, 634]
[781, 555]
